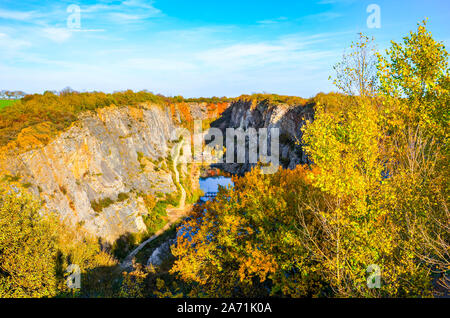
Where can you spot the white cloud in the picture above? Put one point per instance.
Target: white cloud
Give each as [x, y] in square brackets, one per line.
[324, 16]
[16, 15]
[141, 4]
[126, 17]
[58, 35]
[9, 43]
[239, 54]
[125, 11]
[286, 51]
[272, 21]
[158, 64]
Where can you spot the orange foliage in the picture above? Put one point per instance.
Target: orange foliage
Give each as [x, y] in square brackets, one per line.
[247, 238]
[216, 109]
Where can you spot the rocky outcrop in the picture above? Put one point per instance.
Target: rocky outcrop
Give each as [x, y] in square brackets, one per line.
[97, 173]
[161, 253]
[289, 119]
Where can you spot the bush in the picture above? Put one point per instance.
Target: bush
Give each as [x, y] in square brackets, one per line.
[28, 245]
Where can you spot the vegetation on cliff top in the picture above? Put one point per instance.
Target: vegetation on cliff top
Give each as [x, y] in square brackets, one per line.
[38, 118]
[274, 99]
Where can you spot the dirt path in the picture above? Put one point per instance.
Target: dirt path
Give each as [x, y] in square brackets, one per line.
[177, 174]
[174, 214]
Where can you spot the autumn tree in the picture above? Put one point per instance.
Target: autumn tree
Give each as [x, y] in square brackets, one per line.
[36, 249]
[246, 243]
[27, 247]
[374, 200]
[414, 77]
[380, 155]
[356, 74]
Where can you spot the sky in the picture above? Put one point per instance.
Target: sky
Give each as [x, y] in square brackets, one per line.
[196, 48]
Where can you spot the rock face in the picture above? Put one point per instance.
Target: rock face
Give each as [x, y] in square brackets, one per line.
[289, 119]
[100, 172]
[161, 253]
[97, 173]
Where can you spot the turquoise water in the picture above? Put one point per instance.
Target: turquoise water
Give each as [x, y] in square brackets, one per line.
[212, 184]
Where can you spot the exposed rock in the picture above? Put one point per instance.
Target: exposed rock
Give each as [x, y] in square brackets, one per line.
[288, 118]
[96, 173]
[161, 253]
[110, 157]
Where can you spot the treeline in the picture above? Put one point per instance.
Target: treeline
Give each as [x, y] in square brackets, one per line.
[52, 112]
[44, 115]
[4, 94]
[274, 99]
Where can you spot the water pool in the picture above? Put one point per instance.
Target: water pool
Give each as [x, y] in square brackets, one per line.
[211, 185]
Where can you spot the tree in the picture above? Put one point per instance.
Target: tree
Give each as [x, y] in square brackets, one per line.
[246, 243]
[36, 248]
[414, 77]
[349, 143]
[27, 247]
[356, 74]
[376, 195]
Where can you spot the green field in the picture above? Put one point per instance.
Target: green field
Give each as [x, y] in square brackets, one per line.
[6, 102]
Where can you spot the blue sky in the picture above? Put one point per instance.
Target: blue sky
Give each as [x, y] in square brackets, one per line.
[195, 48]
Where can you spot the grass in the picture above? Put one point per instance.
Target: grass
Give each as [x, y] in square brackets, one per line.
[99, 205]
[6, 102]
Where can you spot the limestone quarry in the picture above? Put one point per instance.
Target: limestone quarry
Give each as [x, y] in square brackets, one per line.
[97, 173]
